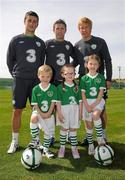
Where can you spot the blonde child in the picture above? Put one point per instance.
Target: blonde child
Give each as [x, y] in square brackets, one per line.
[92, 86]
[44, 96]
[68, 110]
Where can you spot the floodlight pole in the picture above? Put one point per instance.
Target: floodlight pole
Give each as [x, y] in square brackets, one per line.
[119, 70]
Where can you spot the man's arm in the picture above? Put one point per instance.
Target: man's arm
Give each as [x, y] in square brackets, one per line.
[11, 58]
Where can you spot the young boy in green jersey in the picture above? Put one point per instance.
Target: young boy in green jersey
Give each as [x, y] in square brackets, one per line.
[68, 110]
[44, 96]
[92, 86]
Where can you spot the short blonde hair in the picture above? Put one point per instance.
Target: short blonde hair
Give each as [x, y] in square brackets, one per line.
[45, 68]
[84, 20]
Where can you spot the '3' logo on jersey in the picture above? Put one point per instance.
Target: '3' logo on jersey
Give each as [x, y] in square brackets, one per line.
[60, 59]
[31, 55]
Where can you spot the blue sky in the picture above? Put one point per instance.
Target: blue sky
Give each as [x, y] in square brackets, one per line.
[108, 18]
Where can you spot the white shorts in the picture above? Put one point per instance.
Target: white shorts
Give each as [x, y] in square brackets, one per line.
[88, 116]
[47, 125]
[71, 117]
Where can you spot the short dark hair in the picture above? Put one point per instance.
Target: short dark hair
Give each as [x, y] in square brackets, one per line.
[31, 13]
[59, 21]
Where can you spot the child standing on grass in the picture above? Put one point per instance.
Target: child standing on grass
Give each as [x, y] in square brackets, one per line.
[92, 86]
[68, 110]
[44, 96]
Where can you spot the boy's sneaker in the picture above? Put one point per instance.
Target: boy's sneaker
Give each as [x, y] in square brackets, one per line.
[61, 152]
[13, 148]
[52, 141]
[34, 144]
[91, 149]
[48, 154]
[75, 153]
[101, 141]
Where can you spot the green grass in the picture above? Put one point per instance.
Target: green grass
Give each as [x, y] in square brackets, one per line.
[67, 168]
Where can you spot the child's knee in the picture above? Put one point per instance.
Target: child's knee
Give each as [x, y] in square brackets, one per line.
[34, 119]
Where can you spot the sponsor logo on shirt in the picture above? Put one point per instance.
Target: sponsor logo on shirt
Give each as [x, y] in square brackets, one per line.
[52, 46]
[38, 94]
[21, 42]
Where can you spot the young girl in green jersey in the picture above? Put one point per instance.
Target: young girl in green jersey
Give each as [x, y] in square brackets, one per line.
[68, 110]
[92, 86]
[44, 96]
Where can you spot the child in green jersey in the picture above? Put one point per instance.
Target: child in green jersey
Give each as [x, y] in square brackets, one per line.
[68, 110]
[44, 96]
[92, 86]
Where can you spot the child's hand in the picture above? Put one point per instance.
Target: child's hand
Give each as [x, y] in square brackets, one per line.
[92, 106]
[89, 109]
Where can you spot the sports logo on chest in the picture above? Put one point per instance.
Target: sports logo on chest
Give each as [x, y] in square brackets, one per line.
[75, 89]
[98, 80]
[50, 93]
[52, 46]
[38, 95]
[93, 46]
[67, 46]
[21, 42]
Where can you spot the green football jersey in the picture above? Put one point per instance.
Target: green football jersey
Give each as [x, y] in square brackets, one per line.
[44, 97]
[92, 84]
[68, 94]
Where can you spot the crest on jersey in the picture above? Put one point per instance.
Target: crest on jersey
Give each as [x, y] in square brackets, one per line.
[38, 43]
[93, 46]
[98, 80]
[67, 47]
[50, 93]
[75, 89]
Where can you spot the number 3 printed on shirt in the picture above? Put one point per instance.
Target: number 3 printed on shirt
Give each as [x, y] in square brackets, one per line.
[31, 57]
[93, 91]
[61, 59]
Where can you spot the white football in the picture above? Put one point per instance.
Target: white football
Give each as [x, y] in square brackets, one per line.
[104, 155]
[31, 158]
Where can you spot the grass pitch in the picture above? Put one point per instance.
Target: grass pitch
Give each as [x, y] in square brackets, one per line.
[67, 168]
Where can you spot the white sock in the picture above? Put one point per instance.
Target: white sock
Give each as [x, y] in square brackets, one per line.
[104, 133]
[63, 146]
[15, 137]
[45, 149]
